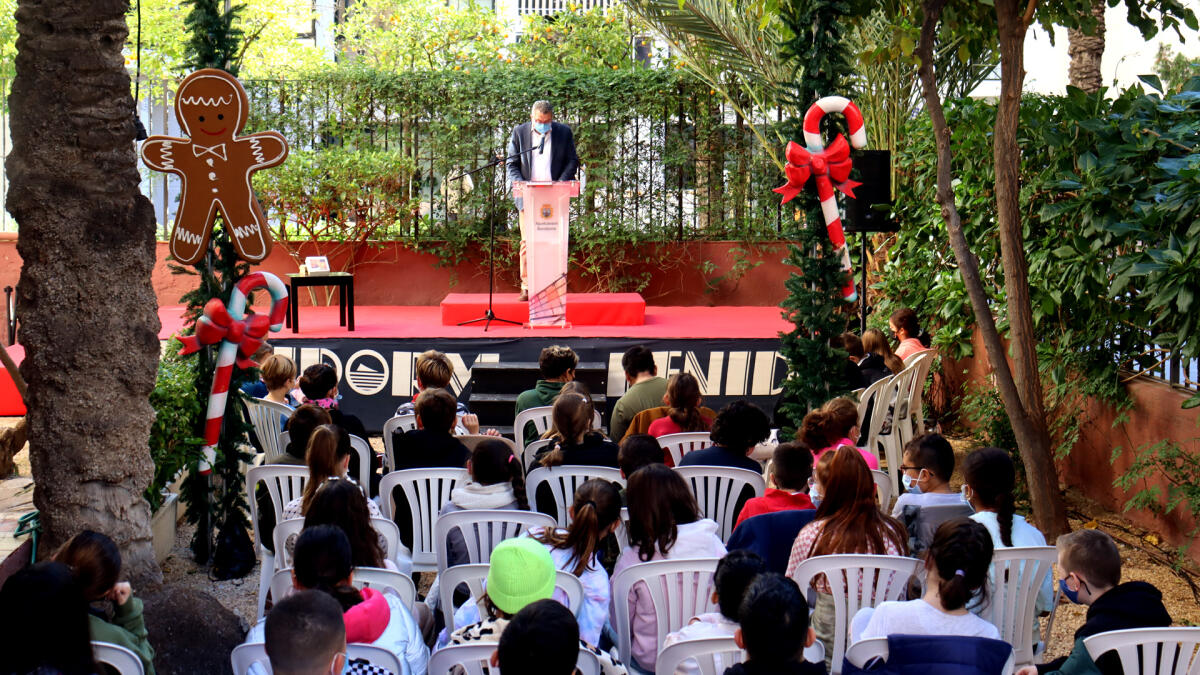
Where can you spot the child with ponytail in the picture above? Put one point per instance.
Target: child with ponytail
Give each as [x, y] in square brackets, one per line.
[328, 458]
[577, 549]
[497, 481]
[990, 479]
[956, 569]
[831, 426]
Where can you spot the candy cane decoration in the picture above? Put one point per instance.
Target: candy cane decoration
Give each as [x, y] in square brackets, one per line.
[830, 168]
[240, 338]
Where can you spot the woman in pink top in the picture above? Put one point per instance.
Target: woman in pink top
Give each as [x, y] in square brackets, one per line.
[831, 426]
[903, 323]
[683, 399]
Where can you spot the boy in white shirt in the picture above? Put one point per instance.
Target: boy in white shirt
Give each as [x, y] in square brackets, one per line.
[925, 471]
[733, 576]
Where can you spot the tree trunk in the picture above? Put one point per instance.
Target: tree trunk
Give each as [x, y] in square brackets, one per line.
[1028, 415]
[1035, 450]
[87, 307]
[1086, 52]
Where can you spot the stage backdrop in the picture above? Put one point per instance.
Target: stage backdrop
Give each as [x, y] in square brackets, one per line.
[375, 376]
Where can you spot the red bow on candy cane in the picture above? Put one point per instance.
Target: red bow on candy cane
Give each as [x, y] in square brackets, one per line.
[830, 166]
[216, 324]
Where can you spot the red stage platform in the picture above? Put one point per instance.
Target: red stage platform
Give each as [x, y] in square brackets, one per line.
[583, 309]
[10, 400]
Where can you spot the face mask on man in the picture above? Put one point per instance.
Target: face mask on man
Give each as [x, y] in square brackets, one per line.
[541, 127]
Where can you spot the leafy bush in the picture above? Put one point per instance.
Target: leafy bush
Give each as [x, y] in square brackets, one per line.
[1178, 470]
[173, 444]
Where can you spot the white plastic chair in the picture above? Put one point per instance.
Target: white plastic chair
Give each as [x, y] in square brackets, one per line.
[718, 490]
[622, 531]
[426, 490]
[530, 452]
[880, 578]
[678, 589]
[264, 415]
[1016, 578]
[678, 445]
[361, 447]
[563, 481]
[475, 659]
[284, 483]
[121, 659]
[871, 394]
[703, 652]
[474, 576]
[1159, 651]
[376, 578]
[244, 657]
[400, 423]
[482, 530]
[386, 529]
[914, 419]
[889, 404]
[883, 487]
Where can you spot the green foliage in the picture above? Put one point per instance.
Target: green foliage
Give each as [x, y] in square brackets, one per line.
[1169, 466]
[982, 405]
[214, 41]
[1175, 69]
[578, 38]
[406, 35]
[174, 445]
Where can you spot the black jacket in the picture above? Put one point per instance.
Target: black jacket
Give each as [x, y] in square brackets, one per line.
[793, 668]
[424, 449]
[1135, 604]
[563, 160]
[872, 368]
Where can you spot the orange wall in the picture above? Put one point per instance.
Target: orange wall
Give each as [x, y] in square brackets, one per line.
[1156, 416]
[394, 275]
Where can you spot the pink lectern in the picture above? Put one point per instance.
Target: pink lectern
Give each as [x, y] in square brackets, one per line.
[544, 226]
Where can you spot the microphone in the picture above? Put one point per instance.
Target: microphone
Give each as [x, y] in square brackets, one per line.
[542, 145]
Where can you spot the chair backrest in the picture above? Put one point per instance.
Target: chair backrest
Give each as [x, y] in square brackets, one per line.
[475, 659]
[889, 406]
[283, 531]
[1016, 577]
[390, 532]
[563, 481]
[376, 578]
[244, 657]
[362, 448]
[482, 530]
[284, 483]
[264, 415]
[711, 655]
[376, 656]
[922, 362]
[678, 590]
[474, 575]
[425, 490]
[718, 491]
[857, 581]
[121, 659]
[1150, 651]
[929, 519]
[529, 452]
[398, 423]
[678, 445]
[883, 489]
[622, 531]
[539, 416]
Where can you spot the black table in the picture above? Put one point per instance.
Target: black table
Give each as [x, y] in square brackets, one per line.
[343, 280]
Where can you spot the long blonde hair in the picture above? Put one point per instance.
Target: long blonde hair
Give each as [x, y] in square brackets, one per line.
[875, 342]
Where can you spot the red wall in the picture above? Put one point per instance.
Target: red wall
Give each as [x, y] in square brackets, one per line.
[395, 275]
[1156, 416]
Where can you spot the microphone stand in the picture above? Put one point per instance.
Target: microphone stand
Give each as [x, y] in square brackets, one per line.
[489, 315]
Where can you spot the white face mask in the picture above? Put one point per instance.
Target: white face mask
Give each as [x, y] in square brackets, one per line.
[910, 483]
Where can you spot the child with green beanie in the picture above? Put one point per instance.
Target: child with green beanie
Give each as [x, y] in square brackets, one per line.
[521, 571]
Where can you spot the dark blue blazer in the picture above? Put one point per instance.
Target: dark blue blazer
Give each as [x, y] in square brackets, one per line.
[938, 655]
[771, 536]
[563, 160]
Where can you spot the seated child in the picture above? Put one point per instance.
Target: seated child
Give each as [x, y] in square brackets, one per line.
[774, 629]
[1089, 567]
[279, 376]
[739, 427]
[44, 622]
[791, 467]
[434, 371]
[638, 450]
[496, 482]
[831, 426]
[736, 571]
[305, 633]
[319, 386]
[926, 469]
[542, 638]
[432, 443]
[300, 425]
[956, 569]
[95, 563]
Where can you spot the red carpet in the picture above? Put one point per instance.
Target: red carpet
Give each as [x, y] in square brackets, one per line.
[583, 309]
[426, 322]
[10, 401]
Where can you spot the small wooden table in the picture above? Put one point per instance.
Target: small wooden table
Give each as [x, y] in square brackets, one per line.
[343, 280]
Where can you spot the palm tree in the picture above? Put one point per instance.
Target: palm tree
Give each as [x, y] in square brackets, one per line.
[1086, 49]
[87, 308]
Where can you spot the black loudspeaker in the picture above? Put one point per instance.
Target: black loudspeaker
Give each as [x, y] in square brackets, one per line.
[874, 171]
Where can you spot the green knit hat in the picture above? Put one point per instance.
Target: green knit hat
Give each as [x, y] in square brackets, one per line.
[521, 572]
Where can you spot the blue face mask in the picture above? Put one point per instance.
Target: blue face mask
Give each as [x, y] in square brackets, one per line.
[542, 127]
[1071, 595]
[910, 483]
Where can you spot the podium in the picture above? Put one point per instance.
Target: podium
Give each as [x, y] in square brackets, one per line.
[544, 228]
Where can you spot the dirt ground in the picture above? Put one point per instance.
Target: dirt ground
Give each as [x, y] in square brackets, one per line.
[1146, 559]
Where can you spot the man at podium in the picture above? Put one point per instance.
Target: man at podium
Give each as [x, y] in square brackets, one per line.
[539, 150]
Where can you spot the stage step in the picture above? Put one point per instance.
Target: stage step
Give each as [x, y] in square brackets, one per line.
[495, 387]
[583, 309]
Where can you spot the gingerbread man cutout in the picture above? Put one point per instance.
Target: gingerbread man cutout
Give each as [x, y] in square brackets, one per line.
[215, 164]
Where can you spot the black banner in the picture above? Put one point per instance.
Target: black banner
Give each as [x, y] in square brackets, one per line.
[377, 375]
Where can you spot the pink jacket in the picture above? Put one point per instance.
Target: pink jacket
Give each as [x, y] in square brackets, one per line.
[872, 462]
[695, 540]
